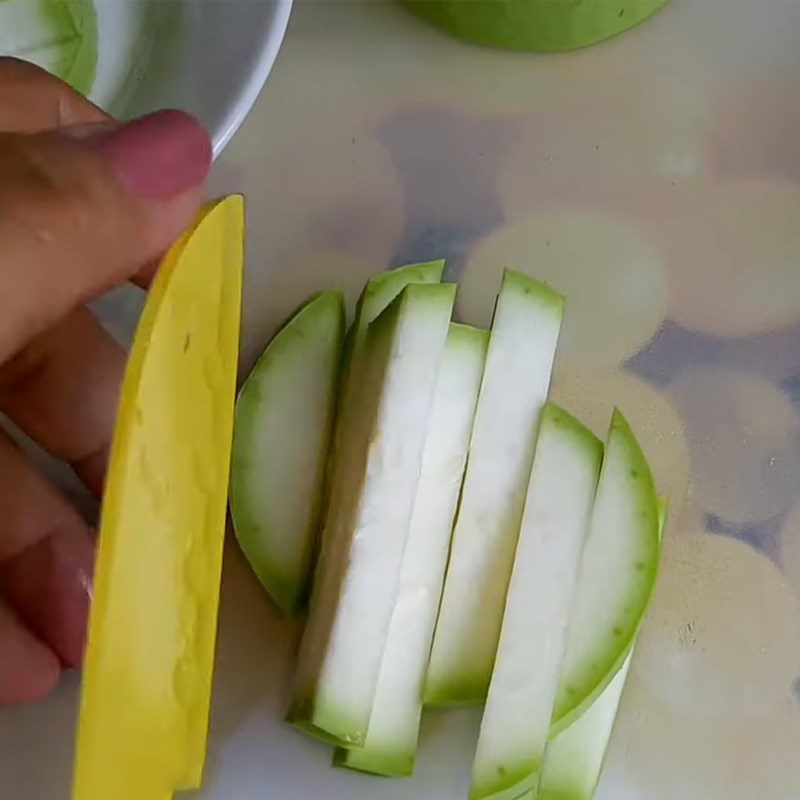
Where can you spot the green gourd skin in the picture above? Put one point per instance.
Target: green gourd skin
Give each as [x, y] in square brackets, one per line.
[539, 25]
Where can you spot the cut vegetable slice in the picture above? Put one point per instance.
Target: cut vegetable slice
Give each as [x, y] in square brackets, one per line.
[58, 35]
[284, 416]
[384, 287]
[574, 759]
[618, 572]
[368, 516]
[81, 72]
[393, 731]
[379, 292]
[519, 704]
[516, 379]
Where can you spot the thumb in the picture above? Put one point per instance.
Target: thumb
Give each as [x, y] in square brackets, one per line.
[81, 211]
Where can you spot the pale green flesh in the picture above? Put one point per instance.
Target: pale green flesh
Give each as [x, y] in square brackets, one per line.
[348, 433]
[519, 705]
[383, 288]
[515, 384]
[80, 74]
[391, 742]
[573, 759]
[618, 572]
[368, 516]
[283, 422]
[535, 24]
[379, 292]
[58, 35]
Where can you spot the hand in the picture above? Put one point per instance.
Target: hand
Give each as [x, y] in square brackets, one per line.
[85, 204]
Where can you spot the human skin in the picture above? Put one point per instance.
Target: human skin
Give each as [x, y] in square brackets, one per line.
[86, 204]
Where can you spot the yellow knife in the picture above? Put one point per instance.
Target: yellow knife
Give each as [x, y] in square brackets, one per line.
[149, 662]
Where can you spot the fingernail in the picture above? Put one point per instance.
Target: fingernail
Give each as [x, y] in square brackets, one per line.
[157, 156]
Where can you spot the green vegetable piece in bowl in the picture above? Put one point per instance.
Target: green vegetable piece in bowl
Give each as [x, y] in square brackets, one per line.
[59, 35]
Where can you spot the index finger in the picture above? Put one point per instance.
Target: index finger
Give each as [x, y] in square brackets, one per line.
[33, 100]
[80, 215]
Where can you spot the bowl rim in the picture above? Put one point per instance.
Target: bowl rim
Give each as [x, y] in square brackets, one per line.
[246, 98]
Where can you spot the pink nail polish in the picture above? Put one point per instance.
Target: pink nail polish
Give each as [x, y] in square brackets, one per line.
[158, 156]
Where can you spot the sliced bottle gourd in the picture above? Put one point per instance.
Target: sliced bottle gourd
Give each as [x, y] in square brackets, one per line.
[284, 422]
[519, 705]
[574, 758]
[618, 572]
[284, 418]
[368, 515]
[391, 741]
[516, 380]
[59, 35]
[379, 292]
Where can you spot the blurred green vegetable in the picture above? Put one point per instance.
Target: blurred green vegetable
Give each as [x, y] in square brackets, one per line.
[534, 24]
[59, 35]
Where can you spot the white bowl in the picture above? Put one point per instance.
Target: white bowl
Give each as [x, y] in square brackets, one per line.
[208, 57]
